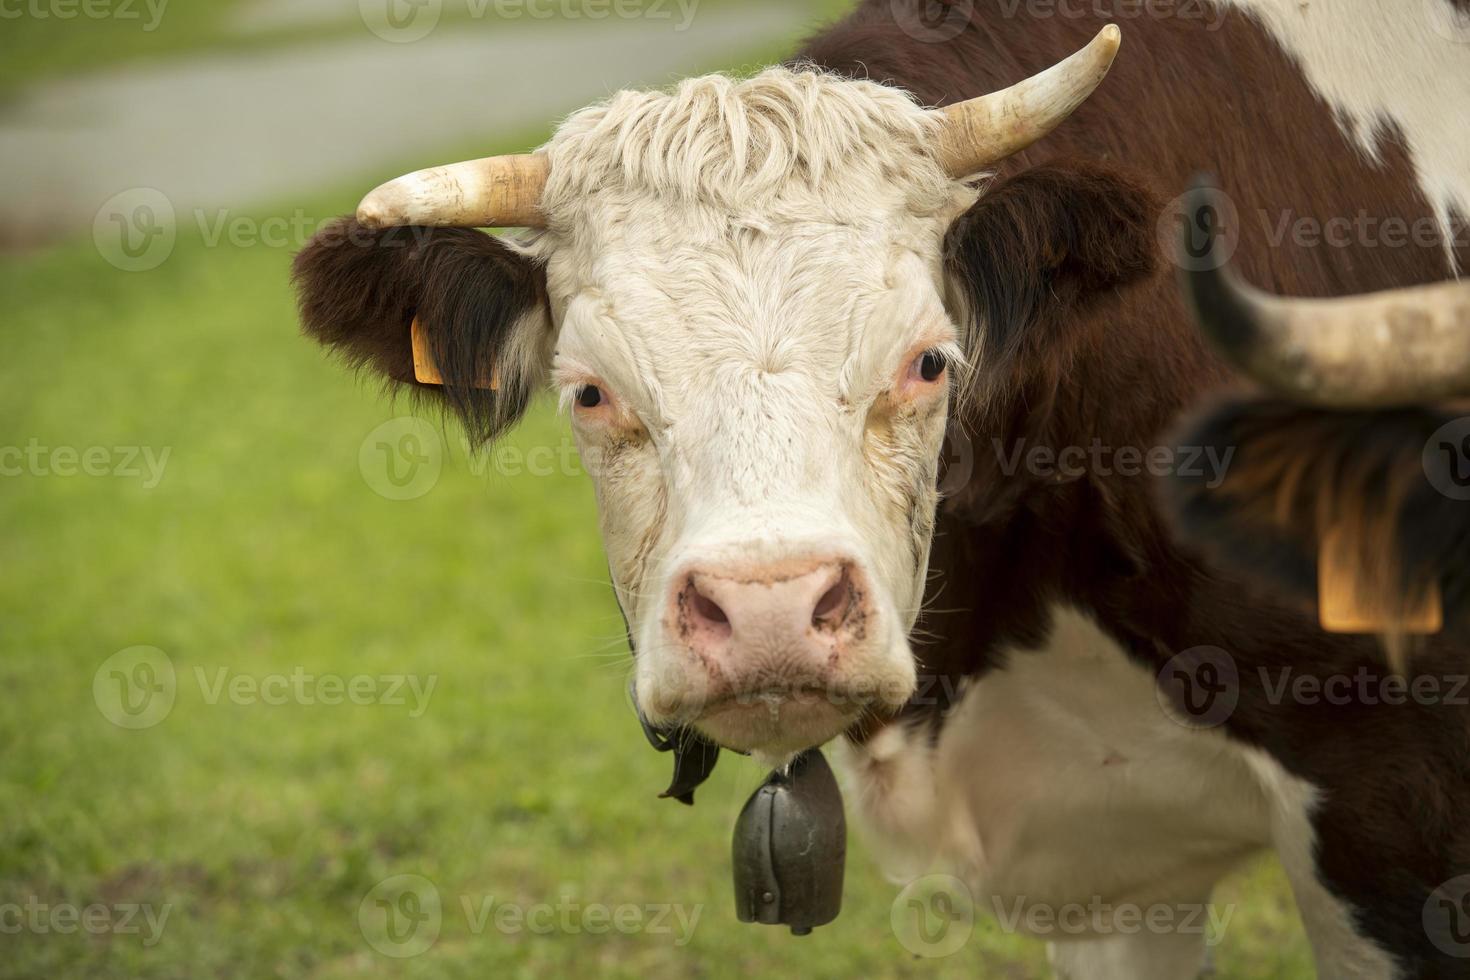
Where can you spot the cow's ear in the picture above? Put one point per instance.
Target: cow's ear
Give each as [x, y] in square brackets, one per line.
[1040, 247]
[481, 306]
[1288, 475]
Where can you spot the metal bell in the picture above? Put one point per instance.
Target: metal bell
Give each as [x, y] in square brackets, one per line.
[790, 848]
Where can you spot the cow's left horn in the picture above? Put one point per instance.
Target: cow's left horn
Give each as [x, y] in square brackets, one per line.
[983, 131]
[1397, 347]
[494, 192]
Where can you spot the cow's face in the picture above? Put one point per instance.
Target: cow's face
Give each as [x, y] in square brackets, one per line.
[758, 375]
[757, 301]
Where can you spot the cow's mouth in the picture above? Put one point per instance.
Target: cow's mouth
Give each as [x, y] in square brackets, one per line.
[780, 720]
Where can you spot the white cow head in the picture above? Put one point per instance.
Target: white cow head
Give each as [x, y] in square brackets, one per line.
[740, 291]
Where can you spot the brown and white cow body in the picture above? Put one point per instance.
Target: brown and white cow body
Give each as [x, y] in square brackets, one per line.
[778, 299]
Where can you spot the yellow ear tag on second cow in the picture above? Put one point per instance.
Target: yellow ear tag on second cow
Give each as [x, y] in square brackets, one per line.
[1353, 599]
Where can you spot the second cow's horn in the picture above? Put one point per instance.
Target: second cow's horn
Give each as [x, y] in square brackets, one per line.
[1397, 347]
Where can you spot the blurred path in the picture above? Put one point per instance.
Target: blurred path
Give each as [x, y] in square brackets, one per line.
[227, 130]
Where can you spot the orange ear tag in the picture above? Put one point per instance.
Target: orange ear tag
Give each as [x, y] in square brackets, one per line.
[426, 372]
[1351, 601]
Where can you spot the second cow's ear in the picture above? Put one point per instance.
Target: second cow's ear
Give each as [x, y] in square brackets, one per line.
[481, 309]
[1039, 248]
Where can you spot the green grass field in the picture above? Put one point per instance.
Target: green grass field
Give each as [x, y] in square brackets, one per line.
[264, 550]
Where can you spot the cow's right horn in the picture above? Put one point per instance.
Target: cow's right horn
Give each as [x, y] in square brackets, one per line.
[493, 192]
[1397, 347]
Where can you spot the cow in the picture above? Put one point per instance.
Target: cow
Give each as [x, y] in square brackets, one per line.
[1363, 433]
[871, 356]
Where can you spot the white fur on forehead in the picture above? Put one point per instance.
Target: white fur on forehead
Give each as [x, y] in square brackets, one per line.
[745, 145]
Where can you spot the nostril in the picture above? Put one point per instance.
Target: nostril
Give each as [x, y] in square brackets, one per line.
[831, 609]
[707, 609]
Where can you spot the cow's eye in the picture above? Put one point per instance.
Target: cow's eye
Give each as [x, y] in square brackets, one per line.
[930, 366]
[589, 396]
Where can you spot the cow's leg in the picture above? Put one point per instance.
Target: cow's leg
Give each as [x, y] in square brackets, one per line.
[1139, 956]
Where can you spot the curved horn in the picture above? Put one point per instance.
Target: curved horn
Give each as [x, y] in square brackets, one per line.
[494, 192]
[1397, 347]
[982, 131]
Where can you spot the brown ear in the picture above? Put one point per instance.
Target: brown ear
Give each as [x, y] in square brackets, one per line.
[1297, 474]
[481, 308]
[1041, 246]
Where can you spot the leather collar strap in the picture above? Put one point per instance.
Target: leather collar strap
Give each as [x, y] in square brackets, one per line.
[694, 755]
